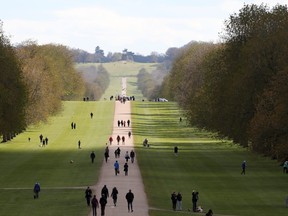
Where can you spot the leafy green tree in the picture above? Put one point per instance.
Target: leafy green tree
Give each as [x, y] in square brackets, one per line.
[50, 77]
[13, 92]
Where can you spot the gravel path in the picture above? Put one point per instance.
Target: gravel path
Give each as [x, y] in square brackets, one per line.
[123, 183]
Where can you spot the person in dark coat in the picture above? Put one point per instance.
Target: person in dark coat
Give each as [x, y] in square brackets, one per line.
[110, 140]
[106, 155]
[174, 200]
[36, 190]
[126, 169]
[118, 152]
[195, 197]
[118, 139]
[114, 195]
[243, 165]
[132, 156]
[105, 191]
[95, 205]
[46, 140]
[41, 138]
[128, 123]
[103, 202]
[92, 156]
[88, 195]
[176, 150]
[129, 134]
[130, 197]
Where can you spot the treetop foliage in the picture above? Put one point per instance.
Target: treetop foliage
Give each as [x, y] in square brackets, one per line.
[237, 88]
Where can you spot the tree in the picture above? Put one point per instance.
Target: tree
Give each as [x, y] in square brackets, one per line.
[13, 92]
[50, 77]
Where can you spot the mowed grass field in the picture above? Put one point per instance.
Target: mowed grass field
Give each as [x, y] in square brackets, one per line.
[205, 164]
[210, 166]
[22, 163]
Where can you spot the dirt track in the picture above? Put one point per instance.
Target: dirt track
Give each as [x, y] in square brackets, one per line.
[123, 183]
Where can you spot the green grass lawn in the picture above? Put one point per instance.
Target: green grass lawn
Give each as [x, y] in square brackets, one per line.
[22, 163]
[204, 164]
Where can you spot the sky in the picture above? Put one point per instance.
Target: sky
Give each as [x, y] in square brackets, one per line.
[141, 26]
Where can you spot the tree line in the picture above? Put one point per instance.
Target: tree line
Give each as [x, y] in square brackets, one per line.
[96, 79]
[34, 81]
[238, 88]
[82, 56]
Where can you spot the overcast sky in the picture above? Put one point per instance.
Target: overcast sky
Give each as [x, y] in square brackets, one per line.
[141, 26]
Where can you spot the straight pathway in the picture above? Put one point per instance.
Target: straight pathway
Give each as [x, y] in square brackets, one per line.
[123, 183]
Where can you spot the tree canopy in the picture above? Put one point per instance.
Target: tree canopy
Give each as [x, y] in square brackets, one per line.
[237, 88]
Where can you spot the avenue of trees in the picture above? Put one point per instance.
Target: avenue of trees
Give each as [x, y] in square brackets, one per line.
[238, 88]
[34, 81]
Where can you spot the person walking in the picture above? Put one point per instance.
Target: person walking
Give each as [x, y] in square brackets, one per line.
[116, 168]
[123, 140]
[127, 157]
[92, 156]
[126, 169]
[105, 191]
[114, 195]
[95, 205]
[88, 195]
[132, 156]
[176, 150]
[103, 202]
[243, 165]
[110, 140]
[129, 134]
[128, 123]
[106, 155]
[41, 138]
[91, 115]
[179, 201]
[36, 190]
[130, 197]
[79, 144]
[174, 200]
[118, 152]
[118, 139]
[195, 197]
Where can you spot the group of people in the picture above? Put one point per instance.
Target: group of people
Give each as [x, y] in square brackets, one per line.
[177, 202]
[43, 141]
[95, 202]
[118, 138]
[73, 125]
[122, 123]
[102, 202]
